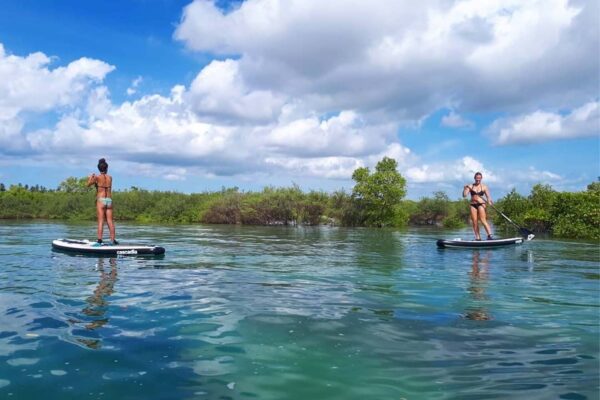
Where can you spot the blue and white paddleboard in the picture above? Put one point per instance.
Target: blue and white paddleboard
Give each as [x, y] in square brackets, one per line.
[89, 247]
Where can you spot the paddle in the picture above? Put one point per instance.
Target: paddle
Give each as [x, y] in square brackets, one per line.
[524, 232]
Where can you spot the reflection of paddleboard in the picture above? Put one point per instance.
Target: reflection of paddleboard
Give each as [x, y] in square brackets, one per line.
[87, 247]
[479, 243]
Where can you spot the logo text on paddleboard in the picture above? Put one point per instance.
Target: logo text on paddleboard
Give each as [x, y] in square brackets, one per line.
[125, 252]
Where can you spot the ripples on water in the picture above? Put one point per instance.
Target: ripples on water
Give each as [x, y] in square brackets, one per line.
[296, 313]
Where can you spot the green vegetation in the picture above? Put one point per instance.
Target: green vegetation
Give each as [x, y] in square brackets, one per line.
[376, 196]
[564, 214]
[272, 206]
[376, 200]
[439, 210]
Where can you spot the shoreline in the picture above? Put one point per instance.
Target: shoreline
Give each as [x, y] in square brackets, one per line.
[441, 229]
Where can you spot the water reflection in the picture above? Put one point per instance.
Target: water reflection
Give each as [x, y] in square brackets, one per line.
[97, 305]
[477, 284]
[381, 249]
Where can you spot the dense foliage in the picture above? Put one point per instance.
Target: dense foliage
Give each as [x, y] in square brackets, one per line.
[564, 214]
[272, 206]
[376, 200]
[439, 210]
[376, 196]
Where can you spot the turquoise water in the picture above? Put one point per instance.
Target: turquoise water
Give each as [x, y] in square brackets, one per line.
[296, 313]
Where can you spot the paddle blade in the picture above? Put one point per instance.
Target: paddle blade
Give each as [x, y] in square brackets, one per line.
[526, 233]
[530, 236]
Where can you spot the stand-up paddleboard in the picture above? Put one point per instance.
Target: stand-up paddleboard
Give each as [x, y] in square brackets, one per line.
[479, 243]
[88, 247]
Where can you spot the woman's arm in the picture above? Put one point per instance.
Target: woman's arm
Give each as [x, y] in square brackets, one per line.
[487, 195]
[466, 189]
[91, 179]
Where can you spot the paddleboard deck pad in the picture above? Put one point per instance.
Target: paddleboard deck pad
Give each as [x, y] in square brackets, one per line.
[88, 247]
[443, 243]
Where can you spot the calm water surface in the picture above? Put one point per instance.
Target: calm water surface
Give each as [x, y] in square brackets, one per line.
[296, 313]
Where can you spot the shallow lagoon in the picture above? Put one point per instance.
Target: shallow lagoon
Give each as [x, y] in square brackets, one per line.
[271, 313]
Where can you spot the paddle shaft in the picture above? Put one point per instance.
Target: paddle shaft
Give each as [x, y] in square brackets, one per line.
[522, 230]
[501, 213]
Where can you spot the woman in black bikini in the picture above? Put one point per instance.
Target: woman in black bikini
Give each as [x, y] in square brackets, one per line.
[104, 208]
[477, 205]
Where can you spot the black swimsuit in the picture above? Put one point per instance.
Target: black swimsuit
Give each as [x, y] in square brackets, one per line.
[474, 193]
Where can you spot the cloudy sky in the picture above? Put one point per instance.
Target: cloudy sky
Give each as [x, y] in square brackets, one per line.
[196, 95]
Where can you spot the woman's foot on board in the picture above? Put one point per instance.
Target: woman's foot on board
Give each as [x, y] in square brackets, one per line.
[490, 237]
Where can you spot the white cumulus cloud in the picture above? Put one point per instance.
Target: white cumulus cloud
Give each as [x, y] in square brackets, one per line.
[541, 126]
[28, 84]
[219, 91]
[168, 132]
[324, 167]
[533, 175]
[405, 59]
[345, 134]
[451, 176]
[320, 88]
[461, 170]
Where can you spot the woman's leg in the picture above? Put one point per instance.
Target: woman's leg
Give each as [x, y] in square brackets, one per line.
[475, 223]
[100, 214]
[483, 219]
[111, 224]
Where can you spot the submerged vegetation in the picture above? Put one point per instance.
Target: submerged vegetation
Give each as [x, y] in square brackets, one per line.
[377, 200]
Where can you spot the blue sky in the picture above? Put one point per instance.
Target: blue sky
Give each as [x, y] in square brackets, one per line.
[193, 96]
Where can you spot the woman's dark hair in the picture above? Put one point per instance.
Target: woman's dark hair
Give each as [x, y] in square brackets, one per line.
[102, 165]
[474, 176]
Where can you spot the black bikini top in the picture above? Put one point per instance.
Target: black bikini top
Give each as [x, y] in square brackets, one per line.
[100, 186]
[473, 192]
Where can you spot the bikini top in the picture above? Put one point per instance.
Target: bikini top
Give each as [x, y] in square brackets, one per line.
[103, 187]
[473, 192]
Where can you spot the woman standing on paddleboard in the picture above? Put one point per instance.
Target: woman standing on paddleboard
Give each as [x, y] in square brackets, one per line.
[477, 205]
[104, 208]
